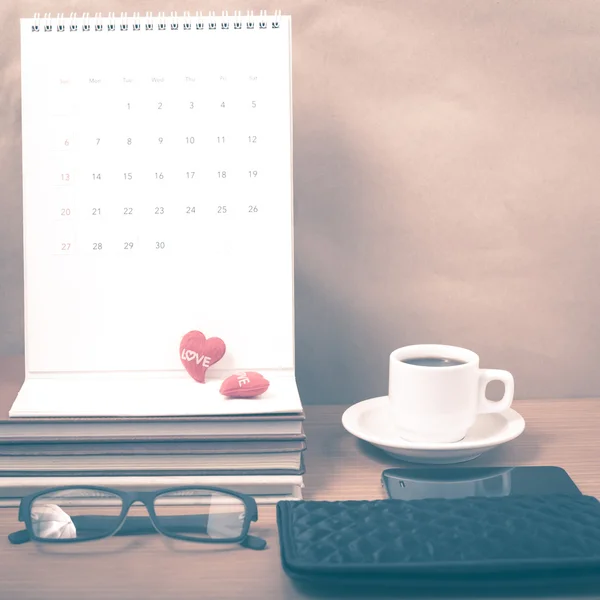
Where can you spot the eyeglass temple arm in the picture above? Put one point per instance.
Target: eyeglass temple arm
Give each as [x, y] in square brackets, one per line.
[252, 542]
[19, 537]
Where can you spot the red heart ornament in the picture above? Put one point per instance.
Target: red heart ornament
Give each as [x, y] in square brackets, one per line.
[198, 353]
[244, 385]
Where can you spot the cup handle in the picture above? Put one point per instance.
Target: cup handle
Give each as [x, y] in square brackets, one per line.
[491, 406]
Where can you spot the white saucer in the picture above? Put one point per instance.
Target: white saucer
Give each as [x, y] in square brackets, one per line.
[369, 420]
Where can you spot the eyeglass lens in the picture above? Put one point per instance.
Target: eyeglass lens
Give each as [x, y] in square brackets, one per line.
[199, 514]
[75, 514]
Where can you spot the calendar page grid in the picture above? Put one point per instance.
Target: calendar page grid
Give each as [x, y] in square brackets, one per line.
[161, 200]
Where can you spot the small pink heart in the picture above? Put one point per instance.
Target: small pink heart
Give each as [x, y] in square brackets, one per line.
[198, 353]
[244, 385]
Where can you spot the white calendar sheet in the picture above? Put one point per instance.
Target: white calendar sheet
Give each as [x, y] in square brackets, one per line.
[157, 200]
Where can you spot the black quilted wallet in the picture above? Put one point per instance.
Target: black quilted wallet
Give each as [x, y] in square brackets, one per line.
[477, 542]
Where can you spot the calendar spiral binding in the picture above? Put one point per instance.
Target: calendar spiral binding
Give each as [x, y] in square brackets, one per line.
[187, 22]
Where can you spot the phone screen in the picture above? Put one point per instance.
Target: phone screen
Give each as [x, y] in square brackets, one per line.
[462, 482]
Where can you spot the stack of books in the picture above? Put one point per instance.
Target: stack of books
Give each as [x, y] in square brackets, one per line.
[253, 446]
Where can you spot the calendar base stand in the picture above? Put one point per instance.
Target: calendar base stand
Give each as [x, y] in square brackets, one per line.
[157, 395]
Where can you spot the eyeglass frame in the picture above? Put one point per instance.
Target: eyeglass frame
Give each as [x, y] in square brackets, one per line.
[147, 499]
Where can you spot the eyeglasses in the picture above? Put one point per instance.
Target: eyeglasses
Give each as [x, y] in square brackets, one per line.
[79, 514]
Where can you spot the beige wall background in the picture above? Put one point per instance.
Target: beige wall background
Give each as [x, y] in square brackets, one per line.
[446, 164]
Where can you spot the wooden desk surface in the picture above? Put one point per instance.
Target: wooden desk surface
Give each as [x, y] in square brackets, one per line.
[559, 432]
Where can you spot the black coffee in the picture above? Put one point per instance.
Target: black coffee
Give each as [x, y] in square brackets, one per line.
[433, 361]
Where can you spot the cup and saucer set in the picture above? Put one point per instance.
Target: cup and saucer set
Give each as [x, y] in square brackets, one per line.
[436, 410]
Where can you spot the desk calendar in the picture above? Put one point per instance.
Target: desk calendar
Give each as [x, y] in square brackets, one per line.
[157, 199]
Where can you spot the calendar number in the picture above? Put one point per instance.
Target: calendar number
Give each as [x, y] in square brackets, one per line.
[221, 139]
[65, 212]
[67, 143]
[252, 139]
[65, 246]
[95, 211]
[128, 246]
[97, 246]
[222, 174]
[253, 103]
[129, 141]
[159, 176]
[190, 174]
[252, 209]
[128, 176]
[160, 105]
[221, 209]
[160, 246]
[190, 140]
[222, 104]
[190, 210]
[253, 174]
[160, 140]
[128, 106]
[97, 141]
[96, 176]
[65, 177]
[191, 105]
[159, 210]
[128, 211]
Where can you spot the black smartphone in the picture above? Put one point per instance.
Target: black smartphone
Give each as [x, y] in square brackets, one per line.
[461, 482]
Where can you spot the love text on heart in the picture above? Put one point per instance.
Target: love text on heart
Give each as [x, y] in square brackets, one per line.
[242, 379]
[193, 356]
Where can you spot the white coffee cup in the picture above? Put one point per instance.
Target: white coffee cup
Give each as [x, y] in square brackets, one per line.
[441, 403]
